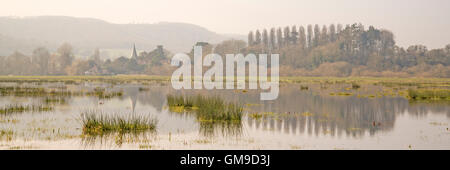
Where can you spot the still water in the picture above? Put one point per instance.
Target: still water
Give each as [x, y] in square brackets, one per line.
[299, 119]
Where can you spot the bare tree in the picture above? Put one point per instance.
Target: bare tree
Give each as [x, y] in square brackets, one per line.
[40, 59]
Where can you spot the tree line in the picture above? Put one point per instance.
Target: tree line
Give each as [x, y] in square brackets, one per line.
[351, 50]
[63, 62]
[313, 50]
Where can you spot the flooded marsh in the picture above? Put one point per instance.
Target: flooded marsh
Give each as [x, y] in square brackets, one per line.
[145, 112]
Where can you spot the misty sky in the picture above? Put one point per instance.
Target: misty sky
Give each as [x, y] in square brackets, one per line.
[412, 21]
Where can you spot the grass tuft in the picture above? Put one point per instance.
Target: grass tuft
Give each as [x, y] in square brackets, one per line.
[94, 123]
[26, 108]
[208, 109]
[429, 94]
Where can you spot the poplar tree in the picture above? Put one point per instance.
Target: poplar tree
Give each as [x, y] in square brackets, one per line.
[279, 38]
[324, 39]
[272, 38]
[265, 39]
[294, 35]
[310, 36]
[251, 40]
[302, 37]
[257, 37]
[316, 39]
[332, 33]
[287, 37]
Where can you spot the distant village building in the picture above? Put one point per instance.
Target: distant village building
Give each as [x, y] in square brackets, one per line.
[157, 56]
[202, 44]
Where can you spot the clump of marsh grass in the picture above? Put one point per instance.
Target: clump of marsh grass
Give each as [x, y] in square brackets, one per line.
[180, 104]
[355, 85]
[24, 108]
[6, 134]
[302, 87]
[57, 100]
[208, 109]
[102, 94]
[429, 94]
[46, 92]
[94, 123]
[215, 109]
[21, 91]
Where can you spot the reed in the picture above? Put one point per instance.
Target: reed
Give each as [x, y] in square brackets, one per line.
[95, 123]
[429, 94]
[24, 108]
[208, 109]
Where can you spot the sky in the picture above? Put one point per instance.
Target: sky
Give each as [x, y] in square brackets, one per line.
[424, 22]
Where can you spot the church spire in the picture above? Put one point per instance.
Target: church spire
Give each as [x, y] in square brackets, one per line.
[134, 55]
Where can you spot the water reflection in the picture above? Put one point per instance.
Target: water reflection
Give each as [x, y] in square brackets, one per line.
[116, 140]
[329, 115]
[334, 115]
[225, 129]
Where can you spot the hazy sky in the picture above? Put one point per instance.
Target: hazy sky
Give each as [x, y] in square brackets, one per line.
[412, 21]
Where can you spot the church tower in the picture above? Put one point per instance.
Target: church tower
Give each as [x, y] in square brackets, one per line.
[134, 55]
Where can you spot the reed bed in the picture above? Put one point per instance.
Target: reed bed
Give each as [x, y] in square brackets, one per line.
[95, 123]
[24, 108]
[42, 92]
[207, 109]
[429, 94]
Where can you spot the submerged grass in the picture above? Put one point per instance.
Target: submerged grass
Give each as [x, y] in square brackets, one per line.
[44, 92]
[6, 134]
[58, 100]
[98, 123]
[208, 109]
[24, 108]
[429, 94]
[212, 109]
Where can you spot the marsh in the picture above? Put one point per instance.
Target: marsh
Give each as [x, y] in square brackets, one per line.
[310, 113]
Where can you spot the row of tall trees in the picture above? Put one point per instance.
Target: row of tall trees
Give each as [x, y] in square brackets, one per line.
[354, 46]
[314, 50]
[308, 38]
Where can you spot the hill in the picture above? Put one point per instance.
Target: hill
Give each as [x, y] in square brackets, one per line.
[86, 34]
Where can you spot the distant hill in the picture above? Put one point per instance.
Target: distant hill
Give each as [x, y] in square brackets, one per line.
[86, 34]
